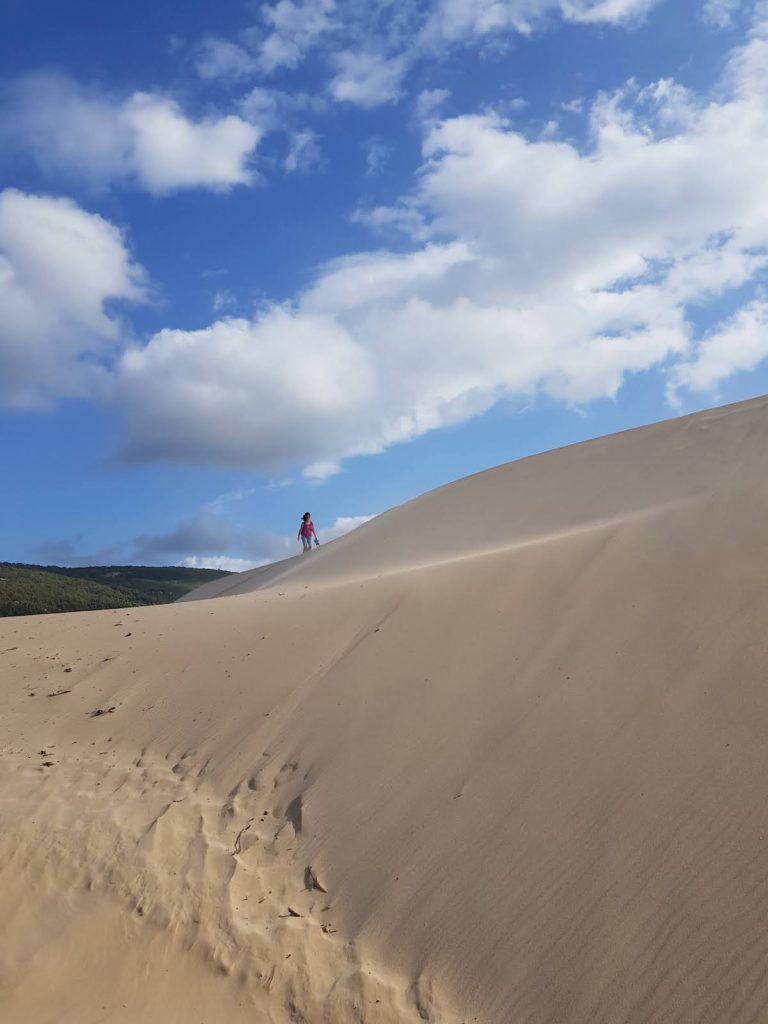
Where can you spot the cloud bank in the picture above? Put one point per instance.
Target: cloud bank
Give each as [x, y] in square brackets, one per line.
[539, 269]
[205, 540]
[536, 267]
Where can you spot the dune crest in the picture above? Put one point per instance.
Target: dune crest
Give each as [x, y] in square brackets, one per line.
[496, 756]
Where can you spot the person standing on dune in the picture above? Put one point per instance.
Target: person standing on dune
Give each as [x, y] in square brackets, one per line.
[307, 532]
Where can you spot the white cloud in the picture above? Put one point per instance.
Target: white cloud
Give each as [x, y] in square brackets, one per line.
[276, 110]
[292, 28]
[172, 152]
[719, 13]
[59, 266]
[511, 106]
[355, 282]
[220, 58]
[273, 110]
[610, 11]
[404, 219]
[223, 299]
[223, 562]
[537, 269]
[739, 344]
[428, 101]
[367, 79]
[286, 32]
[377, 152]
[343, 525]
[370, 47]
[450, 21]
[319, 471]
[80, 132]
[259, 393]
[229, 498]
[304, 153]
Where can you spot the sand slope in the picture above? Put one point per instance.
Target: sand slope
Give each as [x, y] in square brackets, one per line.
[515, 729]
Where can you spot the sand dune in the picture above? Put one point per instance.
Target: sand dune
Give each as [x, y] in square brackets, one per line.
[497, 756]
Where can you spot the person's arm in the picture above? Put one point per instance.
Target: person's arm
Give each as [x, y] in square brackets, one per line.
[298, 535]
[317, 539]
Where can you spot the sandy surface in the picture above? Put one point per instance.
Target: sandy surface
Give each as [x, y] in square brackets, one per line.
[499, 756]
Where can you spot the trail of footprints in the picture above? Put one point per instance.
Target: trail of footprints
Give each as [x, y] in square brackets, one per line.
[226, 879]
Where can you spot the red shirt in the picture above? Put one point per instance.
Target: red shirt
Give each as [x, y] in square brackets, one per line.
[307, 528]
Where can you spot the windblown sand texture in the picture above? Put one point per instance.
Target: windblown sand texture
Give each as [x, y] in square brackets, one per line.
[499, 756]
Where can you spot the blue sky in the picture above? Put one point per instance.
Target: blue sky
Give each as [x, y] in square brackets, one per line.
[258, 258]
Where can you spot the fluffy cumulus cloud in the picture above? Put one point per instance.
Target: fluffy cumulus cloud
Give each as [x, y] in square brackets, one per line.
[278, 389]
[536, 268]
[61, 269]
[87, 135]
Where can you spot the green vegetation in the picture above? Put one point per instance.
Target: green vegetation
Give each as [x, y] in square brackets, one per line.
[37, 589]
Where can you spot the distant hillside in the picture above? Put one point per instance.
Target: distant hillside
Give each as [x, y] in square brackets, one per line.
[38, 589]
